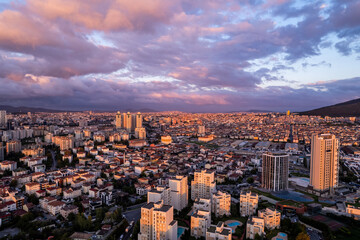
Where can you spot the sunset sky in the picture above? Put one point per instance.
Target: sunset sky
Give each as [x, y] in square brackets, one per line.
[189, 55]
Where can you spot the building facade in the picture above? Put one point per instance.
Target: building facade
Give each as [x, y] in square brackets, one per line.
[254, 226]
[221, 203]
[275, 171]
[179, 192]
[157, 222]
[324, 164]
[271, 217]
[248, 203]
[203, 184]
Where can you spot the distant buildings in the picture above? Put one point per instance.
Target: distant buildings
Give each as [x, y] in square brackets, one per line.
[157, 222]
[324, 165]
[3, 119]
[13, 146]
[221, 203]
[118, 120]
[201, 130]
[166, 140]
[140, 133]
[203, 184]
[248, 203]
[275, 171]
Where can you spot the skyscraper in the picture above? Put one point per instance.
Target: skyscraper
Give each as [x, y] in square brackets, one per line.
[138, 121]
[275, 171]
[127, 121]
[324, 165]
[3, 120]
[203, 184]
[118, 120]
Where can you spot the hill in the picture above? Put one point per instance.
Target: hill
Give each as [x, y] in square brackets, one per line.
[345, 109]
[11, 109]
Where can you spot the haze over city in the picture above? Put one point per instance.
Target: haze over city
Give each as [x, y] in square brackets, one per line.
[213, 56]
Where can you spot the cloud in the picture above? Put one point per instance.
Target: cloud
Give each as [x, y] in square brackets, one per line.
[180, 54]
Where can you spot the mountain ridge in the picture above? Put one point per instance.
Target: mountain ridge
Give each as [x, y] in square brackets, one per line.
[345, 109]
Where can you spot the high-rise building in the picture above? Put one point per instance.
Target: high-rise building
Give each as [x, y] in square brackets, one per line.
[2, 152]
[271, 217]
[255, 226]
[138, 122]
[203, 184]
[13, 146]
[3, 119]
[128, 121]
[248, 203]
[324, 164]
[200, 222]
[221, 203]
[159, 193]
[118, 120]
[157, 222]
[140, 133]
[179, 192]
[275, 171]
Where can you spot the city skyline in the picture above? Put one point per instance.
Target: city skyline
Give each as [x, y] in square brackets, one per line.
[206, 56]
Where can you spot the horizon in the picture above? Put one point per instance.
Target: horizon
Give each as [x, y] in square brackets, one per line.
[207, 56]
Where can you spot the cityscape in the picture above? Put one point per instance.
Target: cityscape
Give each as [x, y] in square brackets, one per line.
[176, 175]
[179, 120]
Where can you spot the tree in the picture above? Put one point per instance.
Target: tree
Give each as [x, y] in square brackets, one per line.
[13, 183]
[302, 236]
[33, 199]
[250, 180]
[257, 237]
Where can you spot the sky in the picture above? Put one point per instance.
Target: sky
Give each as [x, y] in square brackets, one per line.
[186, 55]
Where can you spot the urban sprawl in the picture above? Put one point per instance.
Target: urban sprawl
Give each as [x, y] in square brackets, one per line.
[174, 175]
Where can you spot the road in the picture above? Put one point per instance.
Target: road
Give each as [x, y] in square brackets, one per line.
[53, 155]
[9, 231]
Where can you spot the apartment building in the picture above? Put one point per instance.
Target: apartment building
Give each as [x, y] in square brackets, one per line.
[271, 218]
[179, 192]
[275, 171]
[248, 203]
[159, 193]
[221, 203]
[254, 226]
[203, 184]
[157, 222]
[200, 222]
[218, 232]
[324, 168]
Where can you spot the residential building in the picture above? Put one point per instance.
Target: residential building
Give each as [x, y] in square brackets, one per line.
[13, 146]
[3, 119]
[248, 203]
[221, 203]
[179, 192]
[271, 217]
[166, 139]
[200, 222]
[140, 133]
[275, 171]
[324, 164]
[203, 184]
[254, 226]
[157, 222]
[159, 193]
[218, 232]
[118, 120]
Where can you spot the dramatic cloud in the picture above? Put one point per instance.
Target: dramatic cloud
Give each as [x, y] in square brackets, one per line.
[188, 55]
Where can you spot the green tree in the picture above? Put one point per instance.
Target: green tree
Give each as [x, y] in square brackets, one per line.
[250, 180]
